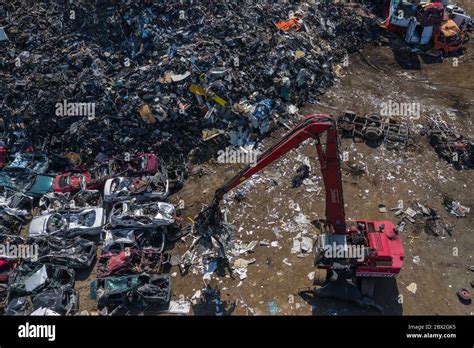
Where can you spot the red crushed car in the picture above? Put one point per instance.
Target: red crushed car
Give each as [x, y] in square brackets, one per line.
[145, 163]
[72, 182]
[6, 267]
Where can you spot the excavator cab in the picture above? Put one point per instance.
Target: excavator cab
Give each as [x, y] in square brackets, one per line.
[370, 248]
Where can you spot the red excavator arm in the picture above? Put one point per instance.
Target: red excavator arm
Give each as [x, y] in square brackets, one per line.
[311, 127]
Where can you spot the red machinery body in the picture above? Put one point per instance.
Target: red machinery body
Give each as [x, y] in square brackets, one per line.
[379, 240]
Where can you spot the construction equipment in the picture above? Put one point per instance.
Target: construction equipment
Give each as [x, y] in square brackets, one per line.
[376, 246]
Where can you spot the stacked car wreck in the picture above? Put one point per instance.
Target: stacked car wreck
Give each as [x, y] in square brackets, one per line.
[430, 25]
[118, 203]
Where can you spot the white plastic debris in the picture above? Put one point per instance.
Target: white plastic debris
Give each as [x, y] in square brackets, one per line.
[179, 307]
[416, 260]
[36, 279]
[412, 288]
[43, 312]
[302, 245]
[180, 77]
[301, 219]
[275, 244]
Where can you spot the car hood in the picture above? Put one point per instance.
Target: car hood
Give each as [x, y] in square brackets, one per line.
[38, 226]
[41, 185]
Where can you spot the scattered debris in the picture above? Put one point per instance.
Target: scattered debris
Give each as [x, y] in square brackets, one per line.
[412, 288]
[455, 208]
[450, 145]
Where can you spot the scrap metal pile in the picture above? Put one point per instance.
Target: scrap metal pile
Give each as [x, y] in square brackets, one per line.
[451, 146]
[160, 75]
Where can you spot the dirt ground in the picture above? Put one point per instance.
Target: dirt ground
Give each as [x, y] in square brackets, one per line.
[270, 205]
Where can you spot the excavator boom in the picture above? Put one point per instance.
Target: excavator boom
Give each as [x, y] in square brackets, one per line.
[312, 126]
[376, 244]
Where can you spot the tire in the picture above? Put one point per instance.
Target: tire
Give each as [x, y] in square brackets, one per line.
[320, 277]
[372, 133]
[464, 295]
[375, 118]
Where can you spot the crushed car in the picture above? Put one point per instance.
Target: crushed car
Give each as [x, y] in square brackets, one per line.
[40, 185]
[69, 224]
[142, 188]
[144, 163]
[72, 181]
[56, 201]
[55, 301]
[121, 258]
[33, 278]
[61, 301]
[30, 162]
[16, 203]
[147, 215]
[143, 238]
[77, 253]
[91, 179]
[10, 224]
[142, 290]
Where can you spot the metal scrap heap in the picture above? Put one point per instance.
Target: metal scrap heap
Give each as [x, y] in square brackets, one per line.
[165, 74]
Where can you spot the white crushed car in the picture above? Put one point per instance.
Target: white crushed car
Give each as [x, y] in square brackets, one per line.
[69, 224]
[130, 214]
[145, 187]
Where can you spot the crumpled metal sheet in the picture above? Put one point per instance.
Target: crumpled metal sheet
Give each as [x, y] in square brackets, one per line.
[77, 253]
[32, 278]
[141, 290]
[121, 258]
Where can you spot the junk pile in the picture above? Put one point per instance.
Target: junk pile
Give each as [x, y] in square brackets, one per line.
[157, 75]
[133, 262]
[37, 273]
[421, 217]
[455, 208]
[430, 25]
[451, 146]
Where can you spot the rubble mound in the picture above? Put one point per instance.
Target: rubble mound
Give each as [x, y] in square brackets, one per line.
[159, 73]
